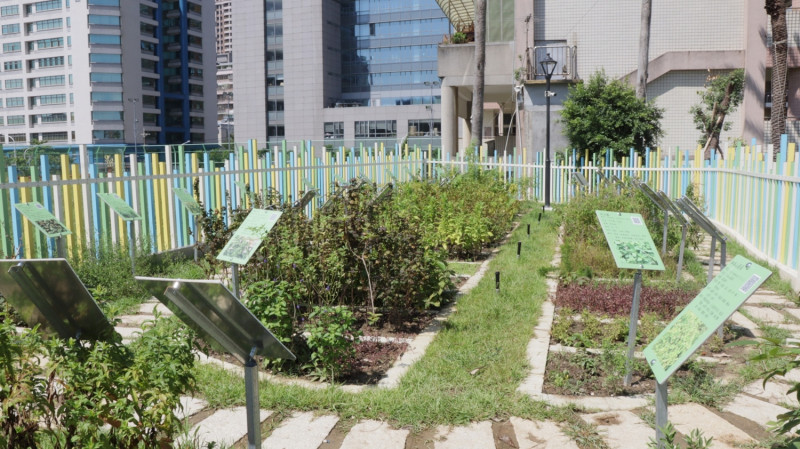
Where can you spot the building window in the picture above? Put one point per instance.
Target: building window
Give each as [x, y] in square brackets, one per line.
[15, 102]
[9, 11]
[277, 132]
[44, 81]
[49, 5]
[56, 61]
[10, 29]
[376, 128]
[104, 58]
[9, 66]
[49, 137]
[44, 25]
[148, 48]
[334, 130]
[50, 43]
[97, 19]
[105, 77]
[16, 120]
[418, 128]
[107, 115]
[104, 2]
[104, 39]
[198, 122]
[12, 47]
[13, 84]
[107, 134]
[52, 118]
[104, 97]
[43, 100]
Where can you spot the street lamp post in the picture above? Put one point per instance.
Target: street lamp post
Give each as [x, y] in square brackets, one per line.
[135, 120]
[15, 147]
[549, 66]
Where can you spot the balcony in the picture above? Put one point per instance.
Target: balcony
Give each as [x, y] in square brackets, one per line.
[566, 62]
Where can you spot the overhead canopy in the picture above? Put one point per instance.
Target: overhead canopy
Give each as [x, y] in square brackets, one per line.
[460, 12]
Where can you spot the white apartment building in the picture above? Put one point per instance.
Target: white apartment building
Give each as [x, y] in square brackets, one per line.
[107, 71]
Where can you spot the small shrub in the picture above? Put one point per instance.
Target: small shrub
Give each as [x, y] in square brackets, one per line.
[331, 338]
[274, 304]
[615, 299]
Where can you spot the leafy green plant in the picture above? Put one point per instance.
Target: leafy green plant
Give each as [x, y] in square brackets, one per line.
[694, 440]
[779, 357]
[332, 338]
[274, 303]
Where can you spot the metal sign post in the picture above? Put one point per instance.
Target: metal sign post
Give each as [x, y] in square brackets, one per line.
[223, 322]
[696, 322]
[48, 293]
[673, 209]
[637, 291]
[194, 210]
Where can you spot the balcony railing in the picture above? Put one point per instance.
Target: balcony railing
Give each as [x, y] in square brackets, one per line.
[566, 62]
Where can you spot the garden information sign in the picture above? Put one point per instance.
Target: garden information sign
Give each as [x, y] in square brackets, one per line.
[44, 221]
[119, 206]
[707, 311]
[248, 236]
[188, 201]
[630, 241]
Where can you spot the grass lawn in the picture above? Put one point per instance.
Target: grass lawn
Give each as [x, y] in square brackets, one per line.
[469, 373]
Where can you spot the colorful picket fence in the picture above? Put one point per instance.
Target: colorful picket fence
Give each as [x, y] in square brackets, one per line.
[747, 191]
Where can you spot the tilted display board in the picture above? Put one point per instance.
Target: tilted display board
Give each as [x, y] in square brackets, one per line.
[188, 201]
[118, 205]
[701, 317]
[44, 221]
[577, 176]
[673, 209]
[212, 311]
[248, 236]
[48, 293]
[630, 241]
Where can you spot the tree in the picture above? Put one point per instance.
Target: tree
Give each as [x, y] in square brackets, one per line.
[480, 65]
[722, 96]
[644, 49]
[605, 114]
[776, 9]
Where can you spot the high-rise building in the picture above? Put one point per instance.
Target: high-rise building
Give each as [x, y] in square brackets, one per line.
[107, 71]
[338, 71]
[224, 26]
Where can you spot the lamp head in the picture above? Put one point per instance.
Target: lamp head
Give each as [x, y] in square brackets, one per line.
[548, 65]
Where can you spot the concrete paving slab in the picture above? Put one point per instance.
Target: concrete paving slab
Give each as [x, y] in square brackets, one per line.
[794, 328]
[190, 406]
[134, 320]
[765, 314]
[793, 312]
[687, 417]
[540, 435]
[621, 429]
[148, 306]
[597, 402]
[374, 435]
[754, 409]
[537, 351]
[301, 431]
[791, 376]
[128, 333]
[772, 392]
[224, 427]
[475, 436]
[767, 298]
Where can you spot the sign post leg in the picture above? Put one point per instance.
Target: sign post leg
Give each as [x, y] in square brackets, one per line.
[711, 260]
[235, 276]
[661, 412]
[680, 254]
[61, 247]
[253, 406]
[196, 231]
[664, 236]
[132, 246]
[637, 287]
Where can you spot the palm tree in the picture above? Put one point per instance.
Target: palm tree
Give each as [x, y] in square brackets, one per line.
[776, 9]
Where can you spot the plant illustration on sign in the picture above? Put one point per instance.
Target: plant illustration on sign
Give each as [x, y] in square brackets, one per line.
[672, 343]
[639, 253]
[51, 227]
[240, 247]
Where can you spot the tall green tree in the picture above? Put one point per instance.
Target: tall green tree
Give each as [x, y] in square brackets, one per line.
[604, 114]
[722, 96]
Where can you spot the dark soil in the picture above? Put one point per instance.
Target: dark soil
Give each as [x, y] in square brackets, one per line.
[615, 299]
[568, 375]
[371, 362]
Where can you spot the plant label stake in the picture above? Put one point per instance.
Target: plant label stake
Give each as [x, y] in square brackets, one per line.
[128, 215]
[698, 320]
[529, 230]
[632, 248]
[225, 324]
[519, 249]
[235, 279]
[540, 220]
[497, 282]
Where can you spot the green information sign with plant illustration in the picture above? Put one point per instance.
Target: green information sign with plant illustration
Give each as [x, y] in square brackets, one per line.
[248, 236]
[44, 221]
[630, 241]
[119, 206]
[707, 311]
[188, 201]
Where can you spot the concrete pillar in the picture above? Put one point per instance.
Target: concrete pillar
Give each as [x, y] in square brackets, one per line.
[450, 120]
[755, 56]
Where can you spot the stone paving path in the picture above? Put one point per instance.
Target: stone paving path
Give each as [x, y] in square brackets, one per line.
[617, 426]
